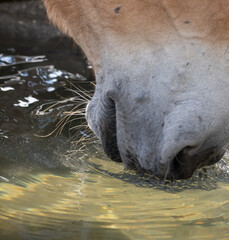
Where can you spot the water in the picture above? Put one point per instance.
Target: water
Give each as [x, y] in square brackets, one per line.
[53, 186]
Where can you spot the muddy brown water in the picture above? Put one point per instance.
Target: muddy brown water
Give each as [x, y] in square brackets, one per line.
[60, 187]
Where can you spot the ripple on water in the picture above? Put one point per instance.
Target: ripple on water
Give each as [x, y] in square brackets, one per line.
[94, 197]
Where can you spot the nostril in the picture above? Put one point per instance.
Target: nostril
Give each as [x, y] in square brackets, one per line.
[180, 165]
[185, 163]
[191, 158]
[109, 131]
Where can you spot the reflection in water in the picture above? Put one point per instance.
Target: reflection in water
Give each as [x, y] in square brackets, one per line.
[5, 89]
[7, 60]
[29, 100]
[52, 188]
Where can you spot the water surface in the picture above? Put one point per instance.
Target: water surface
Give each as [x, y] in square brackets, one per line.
[56, 186]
